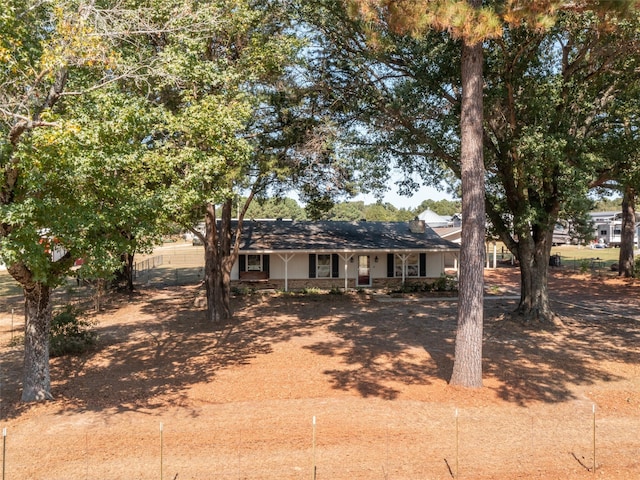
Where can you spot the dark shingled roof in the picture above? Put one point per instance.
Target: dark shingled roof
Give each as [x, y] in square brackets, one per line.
[287, 235]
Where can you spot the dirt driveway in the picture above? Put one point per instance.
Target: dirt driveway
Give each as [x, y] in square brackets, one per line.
[338, 387]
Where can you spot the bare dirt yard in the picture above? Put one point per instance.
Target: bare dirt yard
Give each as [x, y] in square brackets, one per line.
[337, 387]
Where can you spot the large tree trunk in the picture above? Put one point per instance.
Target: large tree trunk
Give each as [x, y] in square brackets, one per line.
[124, 276]
[36, 384]
[217, 277]
[221, 246]
[534, 304]
[625, 261]
[467, 366]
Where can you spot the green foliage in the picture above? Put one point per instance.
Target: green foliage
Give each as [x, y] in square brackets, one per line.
[376, 212]
[70, 333]
[75, 178]
[242, 291]
[276, 208]
[311, 291]
[636, 267]
[444, 283]
[341, 211]
[441, 207]
[607, 204]
[586, 265]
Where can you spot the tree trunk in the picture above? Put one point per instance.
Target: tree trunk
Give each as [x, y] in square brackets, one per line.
[36, 384]
[534, 304]
[217, 277]
[625, 261]
[467, 366]
[124, 276]
[128, 270]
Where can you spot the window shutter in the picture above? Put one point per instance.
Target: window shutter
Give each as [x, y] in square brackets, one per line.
[265, 263]
[335, 265]
[423, 264]
[390, 266]
[312, 265]
[243, 263]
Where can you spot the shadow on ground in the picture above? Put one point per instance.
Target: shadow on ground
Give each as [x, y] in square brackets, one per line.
[161, 345]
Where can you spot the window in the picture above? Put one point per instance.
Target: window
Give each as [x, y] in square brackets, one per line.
[411, 265]
[323, 266]
[254, 263]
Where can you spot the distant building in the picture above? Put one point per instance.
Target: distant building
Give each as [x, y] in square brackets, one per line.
[433, 220]
[608, 228]
[296, 254]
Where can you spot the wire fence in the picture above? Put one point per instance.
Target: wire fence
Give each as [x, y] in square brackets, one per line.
[170, 269]
[594, 265]
[435, 446]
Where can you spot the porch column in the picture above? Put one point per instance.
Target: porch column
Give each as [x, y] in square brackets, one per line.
[345, 258]
[285, 258]
[486, 254]
[455, 265]
[404, 257]
[495, 255]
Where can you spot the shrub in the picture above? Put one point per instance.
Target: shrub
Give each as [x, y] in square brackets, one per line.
[445, 283]
[408, 288]
[585, 265]
[636, 267]
[70, 334]
[310, 291]
[242, 291]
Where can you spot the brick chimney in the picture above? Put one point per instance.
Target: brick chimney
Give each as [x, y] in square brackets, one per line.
[417, 226]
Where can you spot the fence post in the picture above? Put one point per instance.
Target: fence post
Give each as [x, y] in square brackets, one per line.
[457, 445]
[161, 449]
[313, 441]
[594, 438]
[4, 450]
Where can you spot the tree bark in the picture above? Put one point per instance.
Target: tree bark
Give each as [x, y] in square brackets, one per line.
[36, 383]
[124, 276]
[217, 276]
[625, 261]
[467, 366]
[534, 306]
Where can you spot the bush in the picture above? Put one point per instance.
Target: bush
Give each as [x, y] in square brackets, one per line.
[636, 267]
[445, 283]
[70, 334]
[310, 291]
[585, 265]
[242, 291]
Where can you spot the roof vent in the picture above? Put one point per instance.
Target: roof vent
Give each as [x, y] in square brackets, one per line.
[417, 226]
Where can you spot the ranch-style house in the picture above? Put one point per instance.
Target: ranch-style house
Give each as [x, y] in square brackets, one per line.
[289, 254]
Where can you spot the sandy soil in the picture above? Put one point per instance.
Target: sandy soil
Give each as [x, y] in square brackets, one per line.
[167, 396]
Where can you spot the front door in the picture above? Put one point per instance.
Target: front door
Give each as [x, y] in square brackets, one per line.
[364, 271]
